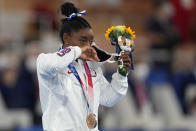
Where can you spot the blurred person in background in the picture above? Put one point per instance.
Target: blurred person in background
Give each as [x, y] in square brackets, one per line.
[44, 16]
[43, 20]
[183, 72]
[164, 37]
[28, 67]
[162, 32]
[171, 62]
[18, 79]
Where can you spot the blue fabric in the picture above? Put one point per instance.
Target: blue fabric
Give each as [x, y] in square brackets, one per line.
[23, 93]
[158, 75]
[33, 128]
[180, 82]
[74, 71]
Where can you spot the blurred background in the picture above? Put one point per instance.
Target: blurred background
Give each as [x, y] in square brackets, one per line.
[162, 88]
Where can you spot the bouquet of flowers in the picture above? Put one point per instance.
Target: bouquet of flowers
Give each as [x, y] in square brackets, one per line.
[123, 38]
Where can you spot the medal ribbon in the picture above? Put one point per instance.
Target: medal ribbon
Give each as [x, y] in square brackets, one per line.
[90, 84]
[88, 95]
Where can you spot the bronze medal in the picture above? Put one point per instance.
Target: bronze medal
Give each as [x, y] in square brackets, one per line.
[91, 121]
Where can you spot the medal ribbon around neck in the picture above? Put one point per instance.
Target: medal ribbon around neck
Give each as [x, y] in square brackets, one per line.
[88, 93]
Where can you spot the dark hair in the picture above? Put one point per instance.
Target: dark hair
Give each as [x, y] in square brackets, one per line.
[73, 25]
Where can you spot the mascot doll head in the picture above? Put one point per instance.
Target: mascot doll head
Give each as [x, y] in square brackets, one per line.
[123, 39]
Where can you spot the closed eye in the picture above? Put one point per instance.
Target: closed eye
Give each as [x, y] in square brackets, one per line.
[82, 41]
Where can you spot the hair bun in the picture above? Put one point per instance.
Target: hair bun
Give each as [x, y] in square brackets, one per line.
[68, 8]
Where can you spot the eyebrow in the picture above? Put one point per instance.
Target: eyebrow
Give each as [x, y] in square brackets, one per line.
[84, 37]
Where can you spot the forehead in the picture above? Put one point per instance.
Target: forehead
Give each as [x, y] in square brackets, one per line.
[87, 32]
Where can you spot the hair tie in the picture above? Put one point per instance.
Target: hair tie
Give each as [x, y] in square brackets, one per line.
[79, 13]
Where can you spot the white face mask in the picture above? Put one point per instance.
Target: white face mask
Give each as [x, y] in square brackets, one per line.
[30, 63]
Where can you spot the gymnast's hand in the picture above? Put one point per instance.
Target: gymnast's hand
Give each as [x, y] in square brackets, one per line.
[88, 53]
[126, 59]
